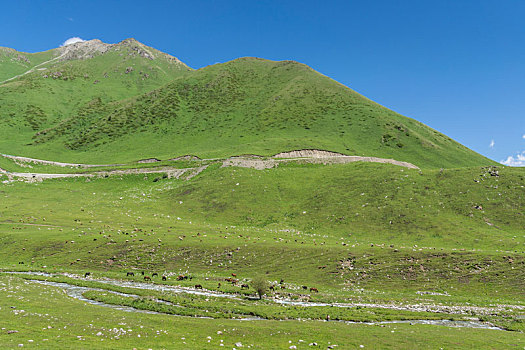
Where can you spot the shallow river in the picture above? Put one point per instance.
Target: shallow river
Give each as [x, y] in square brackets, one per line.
[76, 292]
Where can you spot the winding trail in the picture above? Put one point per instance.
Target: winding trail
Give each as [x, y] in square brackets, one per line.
[35, 67]
[60, 164]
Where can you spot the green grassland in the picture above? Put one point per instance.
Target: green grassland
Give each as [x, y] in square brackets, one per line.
[358, 232]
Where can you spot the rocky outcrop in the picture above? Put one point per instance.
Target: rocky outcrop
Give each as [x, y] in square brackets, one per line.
[308, 153]
[148, 160]
[307, 156]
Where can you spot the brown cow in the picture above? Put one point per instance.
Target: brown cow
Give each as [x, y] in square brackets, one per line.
[245, 286]
[234, 275]
[147, 278]
[312, 289]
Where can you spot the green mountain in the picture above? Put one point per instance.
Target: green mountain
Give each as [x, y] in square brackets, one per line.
[104, 103]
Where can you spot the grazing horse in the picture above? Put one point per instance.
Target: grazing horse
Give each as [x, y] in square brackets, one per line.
[164, 278]
[198, 286]
[245, 286]
[130, 274]
[154, 274]
[87, 274]
[147, 278]
[312, 289]
[305, 287]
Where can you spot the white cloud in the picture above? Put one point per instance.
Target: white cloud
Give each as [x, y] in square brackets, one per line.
[492, 144]
[523, 136]
[72, 40]
[519, 160]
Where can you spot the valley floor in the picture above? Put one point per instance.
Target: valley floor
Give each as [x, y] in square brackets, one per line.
[369, 245]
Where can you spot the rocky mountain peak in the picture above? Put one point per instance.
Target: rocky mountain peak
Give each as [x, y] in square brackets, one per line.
[91, 48]
[83, 50]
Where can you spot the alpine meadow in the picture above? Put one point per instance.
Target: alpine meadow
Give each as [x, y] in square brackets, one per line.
[248, 204]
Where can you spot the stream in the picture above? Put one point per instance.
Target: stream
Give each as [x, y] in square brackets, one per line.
[77, 292]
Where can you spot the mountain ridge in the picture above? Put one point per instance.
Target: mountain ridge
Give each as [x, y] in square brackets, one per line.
[131, 101]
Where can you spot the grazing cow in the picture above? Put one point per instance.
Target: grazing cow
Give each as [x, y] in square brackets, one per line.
[245, 286]
[281, 282]
[283, 286]
[130, 274]
[272, 287]
[198, 286]
[20, 263]
[154, 274]
[164, 278]
[312, 289]
[219, 285]
[305, 287]
[234, 275]
[182, 277]
[87, 274]
[147, 278]
[142, 273]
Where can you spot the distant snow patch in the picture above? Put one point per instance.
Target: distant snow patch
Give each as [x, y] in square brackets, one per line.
[519, 160]
[72, 40]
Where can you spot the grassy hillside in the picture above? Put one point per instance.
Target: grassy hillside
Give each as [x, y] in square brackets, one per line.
[14, 63]
[295, 209]
[77, 80]
[111, 107]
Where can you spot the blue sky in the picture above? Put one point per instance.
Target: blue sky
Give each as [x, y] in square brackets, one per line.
[457, 66]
